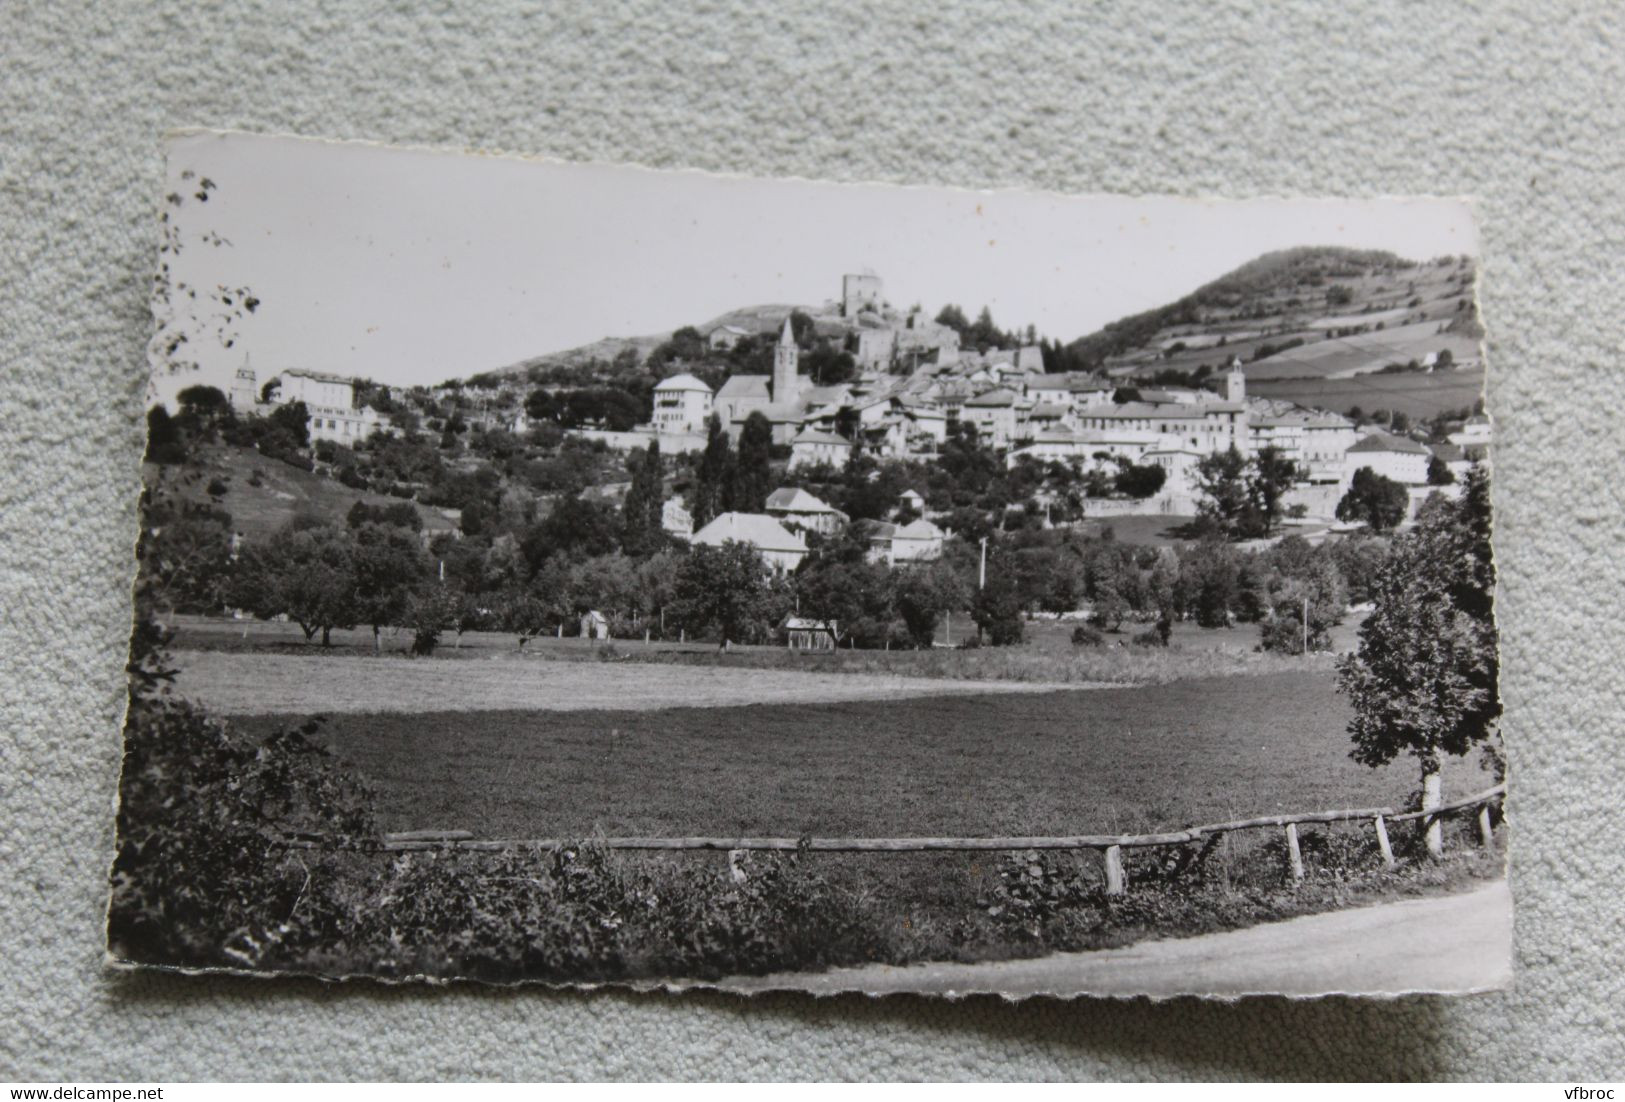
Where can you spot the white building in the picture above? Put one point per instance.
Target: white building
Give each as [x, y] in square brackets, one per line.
[781, 548]
[994, 414]
[724, 337]
[329, 404]
[676, 520]
[1474, 433]
[1397, 457]
[682, 405]
[796, 508]
[917, 541]
[314, 388]
[812, 447]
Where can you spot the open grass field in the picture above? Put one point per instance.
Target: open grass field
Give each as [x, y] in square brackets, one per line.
[1417, 395]
[230, 683]
[1032, 763]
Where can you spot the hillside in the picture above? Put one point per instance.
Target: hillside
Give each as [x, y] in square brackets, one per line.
[1311, 312]
[263, 494]
[757, 319]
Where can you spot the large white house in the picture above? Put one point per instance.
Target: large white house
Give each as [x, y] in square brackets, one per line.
[682, 405]
[329, 404]
[1397, 457]
[781, 548]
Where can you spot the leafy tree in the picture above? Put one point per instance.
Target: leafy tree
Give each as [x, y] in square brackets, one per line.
[1439, 472]
[1424, 680]
[294, 420]
[431, 610]
[1141, 481]
[1309, 604]
[752, 475]
[400, 514]
[1272, 475]
[389, 564]
[1209, 583]
[304, 572]
[997, 608]
[641, 528]
[923, 593]
[1221, 480]
[184, 551]
[166, 443]
[712, 482]
[954, 318]
[576, 525]
[1374, 500]
[729, 591]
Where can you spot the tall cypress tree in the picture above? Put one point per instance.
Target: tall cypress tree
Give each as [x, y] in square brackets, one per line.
[711, 488]
[752, 476]
[655, 488]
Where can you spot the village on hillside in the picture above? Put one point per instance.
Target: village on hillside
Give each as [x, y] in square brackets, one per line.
[1137, 436]
[809, 634]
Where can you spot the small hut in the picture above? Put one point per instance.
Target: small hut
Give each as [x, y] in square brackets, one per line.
[805, 633]
[594, 625]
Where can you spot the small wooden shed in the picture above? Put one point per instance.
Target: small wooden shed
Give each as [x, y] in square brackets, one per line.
[594, 625]
[805, 633]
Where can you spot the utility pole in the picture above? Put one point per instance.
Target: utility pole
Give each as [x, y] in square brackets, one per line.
[981, 582]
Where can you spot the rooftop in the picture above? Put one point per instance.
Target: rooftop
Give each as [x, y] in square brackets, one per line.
[757, 529]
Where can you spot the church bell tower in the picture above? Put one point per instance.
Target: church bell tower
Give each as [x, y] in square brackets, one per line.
[786, 357]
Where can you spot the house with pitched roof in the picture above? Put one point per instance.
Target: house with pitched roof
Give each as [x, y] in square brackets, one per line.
[796, 508]
[1397, 457]
[917, 541]
[779, 547]
[811, 447]
[682, 404]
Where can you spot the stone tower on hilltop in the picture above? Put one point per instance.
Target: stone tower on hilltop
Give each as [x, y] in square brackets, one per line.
[786, 358]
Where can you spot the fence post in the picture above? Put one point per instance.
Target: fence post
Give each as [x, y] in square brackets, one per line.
[1293, 855]
[1382, 842]
[1114, 869]
[1486, 832]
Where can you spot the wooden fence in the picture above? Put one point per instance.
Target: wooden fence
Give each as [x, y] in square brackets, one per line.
[1109, 846]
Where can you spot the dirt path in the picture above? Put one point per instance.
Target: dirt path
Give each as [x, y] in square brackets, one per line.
[230, 683]
[1448, 944]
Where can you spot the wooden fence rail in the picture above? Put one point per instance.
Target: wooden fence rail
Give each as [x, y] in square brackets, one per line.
[1110, 846]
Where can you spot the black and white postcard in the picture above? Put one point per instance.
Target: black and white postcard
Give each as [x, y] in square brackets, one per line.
[582, 574]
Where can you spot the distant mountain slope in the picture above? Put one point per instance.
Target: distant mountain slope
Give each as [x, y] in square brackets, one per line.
[757, 319]
[1296, 298]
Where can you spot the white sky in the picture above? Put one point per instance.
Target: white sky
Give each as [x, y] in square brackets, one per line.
[412, 266]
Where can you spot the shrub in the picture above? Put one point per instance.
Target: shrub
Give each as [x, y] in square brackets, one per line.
[1085, 636]
[217, 487]
[201, 876]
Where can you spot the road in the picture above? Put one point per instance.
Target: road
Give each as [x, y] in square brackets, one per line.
[1445, 944]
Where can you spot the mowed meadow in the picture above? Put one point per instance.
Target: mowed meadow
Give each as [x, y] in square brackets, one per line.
[1053, 762]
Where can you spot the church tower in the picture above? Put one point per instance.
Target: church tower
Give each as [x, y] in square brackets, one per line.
[786, 383]
[1234, 381]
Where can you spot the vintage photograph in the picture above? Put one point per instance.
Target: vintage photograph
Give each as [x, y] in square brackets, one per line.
[581, 574]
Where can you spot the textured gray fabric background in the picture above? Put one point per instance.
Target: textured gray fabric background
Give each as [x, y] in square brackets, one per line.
[1517, 104]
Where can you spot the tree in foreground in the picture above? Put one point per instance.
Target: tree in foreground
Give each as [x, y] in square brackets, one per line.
[997, 608]
[1373, 500]
[727, 590]
[1424, 680]
[304, 572]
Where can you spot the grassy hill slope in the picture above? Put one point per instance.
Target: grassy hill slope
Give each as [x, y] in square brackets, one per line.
[263, 494]
[1306, 313]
